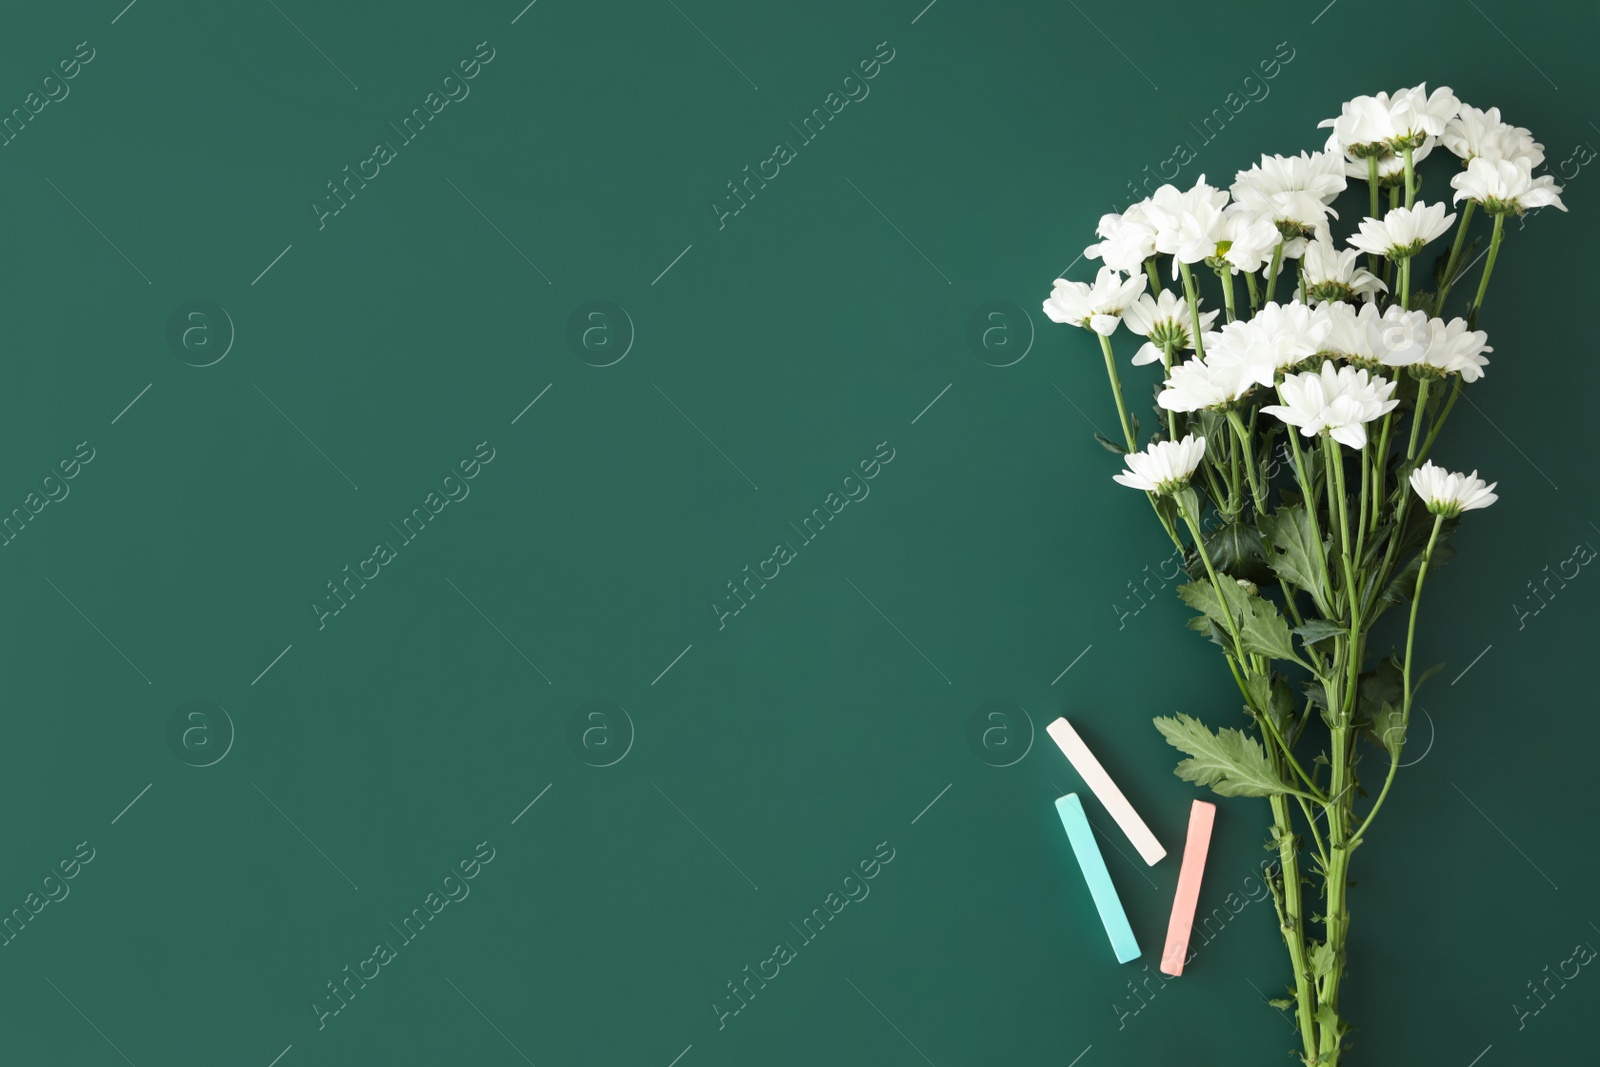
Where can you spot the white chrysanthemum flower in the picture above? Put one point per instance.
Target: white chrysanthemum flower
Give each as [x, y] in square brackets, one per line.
[1448, 348]
[1390, 168]
[1099, 306]
[1504, 186]
[1164, 467]
[1475, 134]
[1279, 336]
[1183, 219]
[1403, 231]
[1338, 400]
[1326, 273]
[1164, 319]
[1397, 337]
[1127, 240]
[1449, 493]
[1347, 335]
[1365, 127]
[1251, 239]
[1292, 191]
[1418, 115]
[1206, 383]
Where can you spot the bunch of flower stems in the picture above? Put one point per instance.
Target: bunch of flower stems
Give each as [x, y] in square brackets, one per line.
[1343, 538]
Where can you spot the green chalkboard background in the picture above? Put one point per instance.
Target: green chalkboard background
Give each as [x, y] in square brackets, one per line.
[703, 381]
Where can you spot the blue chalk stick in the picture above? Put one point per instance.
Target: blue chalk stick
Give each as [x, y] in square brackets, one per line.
[1112, 917]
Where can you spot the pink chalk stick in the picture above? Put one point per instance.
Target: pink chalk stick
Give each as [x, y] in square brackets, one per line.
[1201, 816]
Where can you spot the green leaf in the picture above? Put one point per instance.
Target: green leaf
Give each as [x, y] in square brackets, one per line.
[1231, 763]
[1110, 445]
[1281, 1004]
[1313, 631]
[1322, 959]
[1262, 630]
[1294, 550]
[1388, 728]
[1236, 550]
[1404, 583]
[1328, 1019]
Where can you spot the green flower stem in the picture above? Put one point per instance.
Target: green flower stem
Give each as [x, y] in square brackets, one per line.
[1361, 512]
[1272, 272]
[1372, 191]
[1423, 384]
[1406, 693]
[1380, 464]
[1225, 272]
[1194, 308]
[1291, 922]
[1116, 390]
[1155, 276]
[1308, 493]
[1258, 493]
[1438, 423]
[1410, 173]
[1488, 268]
[1455, 257]
[1255, 292]
[1172, 416]
[1405, 283]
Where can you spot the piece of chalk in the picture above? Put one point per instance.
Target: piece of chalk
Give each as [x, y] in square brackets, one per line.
[1201, 816]
[1096, 778]
[1112, 917]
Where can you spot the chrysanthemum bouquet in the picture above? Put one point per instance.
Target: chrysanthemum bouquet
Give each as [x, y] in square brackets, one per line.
[1291, 463]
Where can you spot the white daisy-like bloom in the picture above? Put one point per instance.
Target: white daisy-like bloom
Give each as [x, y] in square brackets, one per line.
[1390, 168]
[1417, 114]
[1098, 306]
[1449, 493]
[1126, 240]
[1403, 231]
[1449, 348]
[1278, 337]
[1164, 319]
[1347, 337]
[1475, 134]
[1503, 186]
[1292, 191]
[1184, 218]
[1338, 400]
[1397, 337]
[1251, 239]
[1329, 274]
[1365, 127]
[1164, 467]
[1206, 383]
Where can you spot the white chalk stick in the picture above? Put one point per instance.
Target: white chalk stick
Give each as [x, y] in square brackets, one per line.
[1100, 783]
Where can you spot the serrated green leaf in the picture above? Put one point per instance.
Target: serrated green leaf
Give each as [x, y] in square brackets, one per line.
[1110, 445]
[1322, 959]
[1388, 728]
[1281, 1003]
[1404, 583]
[1236, 550]
[1262, 630]
[1294, 551]
[1313, 631]
[1230, 762]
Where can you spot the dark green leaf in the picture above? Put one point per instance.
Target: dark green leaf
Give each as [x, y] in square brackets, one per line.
[1262, 631]
[1313, 631]
[1295, 552]
[1388, 728]
[1110, 445]
[1231, 763]
[1404, 583]
[1235, 549]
